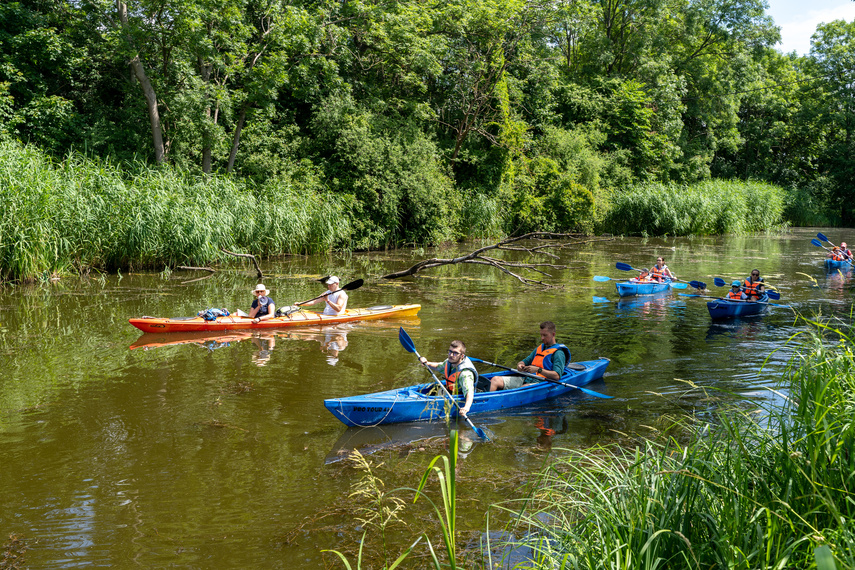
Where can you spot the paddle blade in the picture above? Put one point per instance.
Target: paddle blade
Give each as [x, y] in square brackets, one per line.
[823, 238]
[697, 284]
[773, 295]
[719, 282]
[601, 278]
[354, 285]
[679, 285]
[702, 285]
[406, 341]
[624, 267]
[816, 242]
[690, 295]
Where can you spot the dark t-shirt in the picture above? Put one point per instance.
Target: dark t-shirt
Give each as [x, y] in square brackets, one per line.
[265, 303]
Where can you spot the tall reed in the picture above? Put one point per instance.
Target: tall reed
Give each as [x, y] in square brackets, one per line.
[712, 207]
[764, 486]
[82, 213]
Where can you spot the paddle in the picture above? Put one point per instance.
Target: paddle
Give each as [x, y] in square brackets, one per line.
[823, 238]
[603, 279]
[695, 284]
[349, 287]
[737, 300]
[408, 345]
[542, 379]
[719, 282]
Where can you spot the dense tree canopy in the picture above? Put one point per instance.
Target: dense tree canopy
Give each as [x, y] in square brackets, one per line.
[437, 120]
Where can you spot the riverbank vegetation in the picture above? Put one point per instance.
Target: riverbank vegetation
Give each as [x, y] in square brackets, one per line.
[425, 123]
[767, 485]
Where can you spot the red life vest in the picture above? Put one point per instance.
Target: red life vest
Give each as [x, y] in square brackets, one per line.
[751, 288]
[734, 294]
[451, 377]
[543, 357]
[658, 274]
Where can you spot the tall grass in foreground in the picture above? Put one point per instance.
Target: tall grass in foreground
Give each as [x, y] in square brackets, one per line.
[82, 213]
[764, 487]
[712, 207]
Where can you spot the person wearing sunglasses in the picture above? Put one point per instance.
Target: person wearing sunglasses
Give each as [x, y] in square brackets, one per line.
[660, 271]
[458, 372]
[547, 360]
[263, 307]
[753, 287]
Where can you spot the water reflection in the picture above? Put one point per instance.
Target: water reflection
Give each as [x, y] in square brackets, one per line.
[550, 426]
[332, 340]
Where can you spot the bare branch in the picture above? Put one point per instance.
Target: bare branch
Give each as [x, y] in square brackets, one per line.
[248, 255]
[477, 256]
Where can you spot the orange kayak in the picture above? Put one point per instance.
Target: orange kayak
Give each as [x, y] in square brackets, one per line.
[298, 319]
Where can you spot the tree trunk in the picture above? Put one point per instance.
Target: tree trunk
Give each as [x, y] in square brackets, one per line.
[236, 139]
[148, 91]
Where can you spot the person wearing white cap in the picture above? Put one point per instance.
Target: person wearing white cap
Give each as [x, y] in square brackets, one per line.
[263, 307]
[336, 299]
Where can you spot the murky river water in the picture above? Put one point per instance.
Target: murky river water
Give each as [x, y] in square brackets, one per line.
[218, 453]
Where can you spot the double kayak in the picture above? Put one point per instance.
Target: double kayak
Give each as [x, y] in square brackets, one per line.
[298, 319]
[419, 403]
[725, 308]
[832, 264]
[629, 288]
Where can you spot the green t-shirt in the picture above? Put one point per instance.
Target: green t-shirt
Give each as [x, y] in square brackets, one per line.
[559, 359]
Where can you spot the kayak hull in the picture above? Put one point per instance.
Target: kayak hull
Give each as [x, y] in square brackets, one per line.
[831, 264]
[298, 319]
[725, 309]
[629, 288]
[414, 403]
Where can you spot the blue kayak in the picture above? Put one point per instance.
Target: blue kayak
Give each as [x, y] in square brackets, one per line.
[831, 264]
[725, 308]
[417, 403]
[628, 288]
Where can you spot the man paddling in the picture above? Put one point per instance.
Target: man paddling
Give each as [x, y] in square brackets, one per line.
[547, 360]
[458, 372]
[336, 300]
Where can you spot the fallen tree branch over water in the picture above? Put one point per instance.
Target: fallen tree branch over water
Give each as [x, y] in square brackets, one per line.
[509, 267]
[248, 255]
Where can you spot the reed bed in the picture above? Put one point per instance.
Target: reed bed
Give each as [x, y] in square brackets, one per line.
[763, 486]
[706, 208]
[83, 213]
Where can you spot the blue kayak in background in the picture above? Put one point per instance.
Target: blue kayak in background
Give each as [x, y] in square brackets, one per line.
[629, 288]
[419, 403]
[725, 308]
[831, 264]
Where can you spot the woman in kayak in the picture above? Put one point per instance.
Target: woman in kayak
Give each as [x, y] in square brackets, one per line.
[660, 271]
[753, 287]
[263, 307]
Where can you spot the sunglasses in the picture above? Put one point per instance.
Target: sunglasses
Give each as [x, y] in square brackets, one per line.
[454, 353]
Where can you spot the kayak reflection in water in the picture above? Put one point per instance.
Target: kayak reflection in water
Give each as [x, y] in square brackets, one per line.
[265, 342]
[334, 343]
[547, 360]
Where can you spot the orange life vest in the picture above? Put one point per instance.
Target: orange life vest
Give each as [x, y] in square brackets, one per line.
[751, 288]
[543, 357]
[451, 373]
[734, 294]
[658, 274]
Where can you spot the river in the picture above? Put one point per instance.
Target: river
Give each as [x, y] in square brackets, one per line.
[218, 453]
